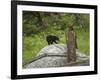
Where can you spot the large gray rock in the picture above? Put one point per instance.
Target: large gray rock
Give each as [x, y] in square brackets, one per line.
[56, 49]
[56, 56]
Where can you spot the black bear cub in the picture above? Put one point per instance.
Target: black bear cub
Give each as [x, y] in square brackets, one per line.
[52, 39]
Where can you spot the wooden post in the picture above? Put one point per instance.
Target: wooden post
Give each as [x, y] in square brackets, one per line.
[71, 45]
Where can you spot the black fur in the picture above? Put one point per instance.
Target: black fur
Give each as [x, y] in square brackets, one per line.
[52, 39]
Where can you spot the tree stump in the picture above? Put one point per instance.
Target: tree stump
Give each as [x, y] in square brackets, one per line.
[71, 44]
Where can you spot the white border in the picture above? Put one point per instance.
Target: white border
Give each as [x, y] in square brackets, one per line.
[21, 71]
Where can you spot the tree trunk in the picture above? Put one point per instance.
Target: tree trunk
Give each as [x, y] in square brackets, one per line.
[71, 46]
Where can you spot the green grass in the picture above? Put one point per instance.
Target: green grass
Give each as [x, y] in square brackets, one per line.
[83, 42]
[33, 44]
